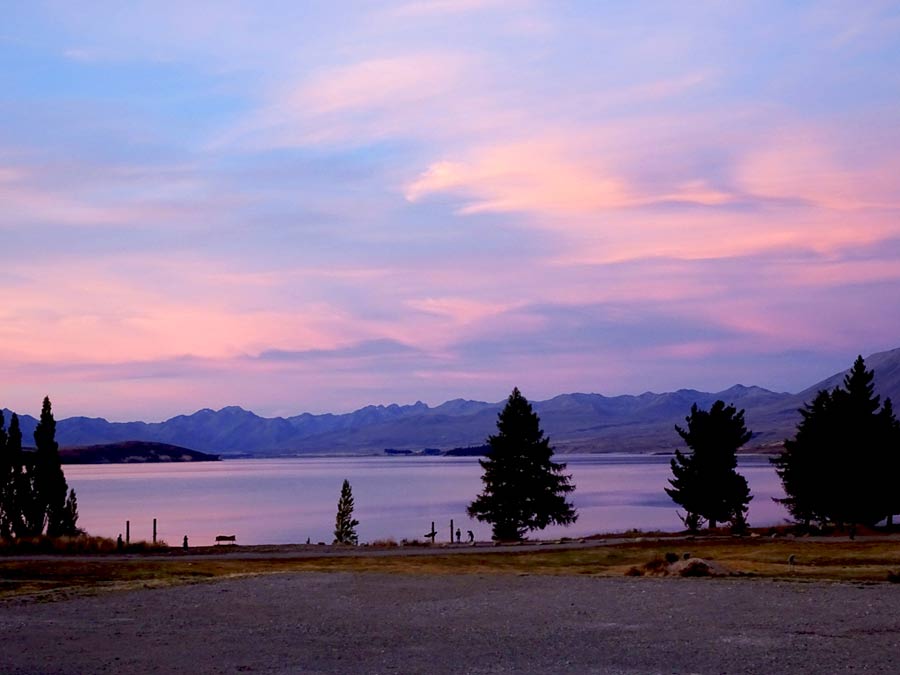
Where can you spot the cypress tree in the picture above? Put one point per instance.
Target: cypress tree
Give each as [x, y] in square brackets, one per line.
[69, 518]
[706, 482]
[50, 481]
[27, 512]
[523, 488]
[344, 523]
[7, 490]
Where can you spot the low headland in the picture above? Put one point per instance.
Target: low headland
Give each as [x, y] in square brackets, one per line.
[132, 452]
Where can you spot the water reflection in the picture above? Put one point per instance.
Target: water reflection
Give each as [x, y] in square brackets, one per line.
[290, 500]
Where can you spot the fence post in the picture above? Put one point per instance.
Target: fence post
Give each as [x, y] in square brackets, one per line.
[154, 530]
[127, 531]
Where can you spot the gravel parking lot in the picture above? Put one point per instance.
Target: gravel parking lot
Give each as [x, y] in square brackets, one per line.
[375, 623]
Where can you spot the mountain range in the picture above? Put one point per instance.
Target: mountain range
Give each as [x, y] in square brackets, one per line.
[574, 422]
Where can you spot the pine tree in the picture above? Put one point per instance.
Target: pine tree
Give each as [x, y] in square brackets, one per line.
[345, 524]
[842, 463]
[705, 482]
[889, 429]
[523, 488]
[803, 466]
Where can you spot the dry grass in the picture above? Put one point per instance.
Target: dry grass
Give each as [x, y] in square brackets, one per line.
[75, 545]
[839, 560]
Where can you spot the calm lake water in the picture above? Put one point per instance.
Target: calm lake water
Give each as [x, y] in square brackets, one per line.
[280, 501]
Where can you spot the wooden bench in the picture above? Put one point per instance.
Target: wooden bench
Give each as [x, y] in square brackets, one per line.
[226, 537]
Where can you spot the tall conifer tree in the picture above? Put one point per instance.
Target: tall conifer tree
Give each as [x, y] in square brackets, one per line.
[523, 488]
[841, 466]
[706, 482]
[7, 489]
[50, 481]
[807, 464]
[344, 523]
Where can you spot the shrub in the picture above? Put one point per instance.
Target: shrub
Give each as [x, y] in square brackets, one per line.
[74, 544]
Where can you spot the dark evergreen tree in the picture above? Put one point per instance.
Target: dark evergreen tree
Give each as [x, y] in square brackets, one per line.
[706, 482]
[26, 511]
[809, 464]
[69, 519]
[7, 489]
[49, 480]
[842, 463]
[889, 428]
[523, 488]
[345, 524]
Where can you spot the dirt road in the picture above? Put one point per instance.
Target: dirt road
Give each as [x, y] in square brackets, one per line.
[373, 623]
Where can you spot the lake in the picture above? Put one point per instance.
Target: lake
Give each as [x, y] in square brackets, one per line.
[281, 501]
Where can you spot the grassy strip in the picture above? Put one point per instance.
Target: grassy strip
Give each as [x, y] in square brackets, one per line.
[858, 561]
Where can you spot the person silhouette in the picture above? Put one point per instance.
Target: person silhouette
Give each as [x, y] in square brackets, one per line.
[458, 535]
[119, 543]
[184, 544]
[471, 536]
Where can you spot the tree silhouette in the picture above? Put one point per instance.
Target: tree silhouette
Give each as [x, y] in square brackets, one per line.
[50, 481]
[889, 440]
[34, 495]
[841, 466]
[7, 486]
[705, 482]
[523, 488]
[806, 465]
[345, 524]
[18, 493]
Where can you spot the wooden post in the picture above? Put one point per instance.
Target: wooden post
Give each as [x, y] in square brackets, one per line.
[154, 530]
[127, 531]
[451, 530]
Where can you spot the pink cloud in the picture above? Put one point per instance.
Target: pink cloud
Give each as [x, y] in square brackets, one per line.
[368, 99]
[419, 8]
[805, 164]
[530, 177]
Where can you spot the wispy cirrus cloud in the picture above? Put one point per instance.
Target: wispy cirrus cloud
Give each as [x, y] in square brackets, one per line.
[364, 203]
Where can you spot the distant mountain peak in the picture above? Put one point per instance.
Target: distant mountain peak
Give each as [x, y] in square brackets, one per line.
[577, 422]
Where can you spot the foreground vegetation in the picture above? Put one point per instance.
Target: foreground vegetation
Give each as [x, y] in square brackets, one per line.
[42, 578]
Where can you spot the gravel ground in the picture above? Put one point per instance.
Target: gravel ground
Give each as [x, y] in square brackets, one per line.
[371, 623]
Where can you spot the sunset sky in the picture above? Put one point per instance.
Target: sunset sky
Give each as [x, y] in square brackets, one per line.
[309, 206]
